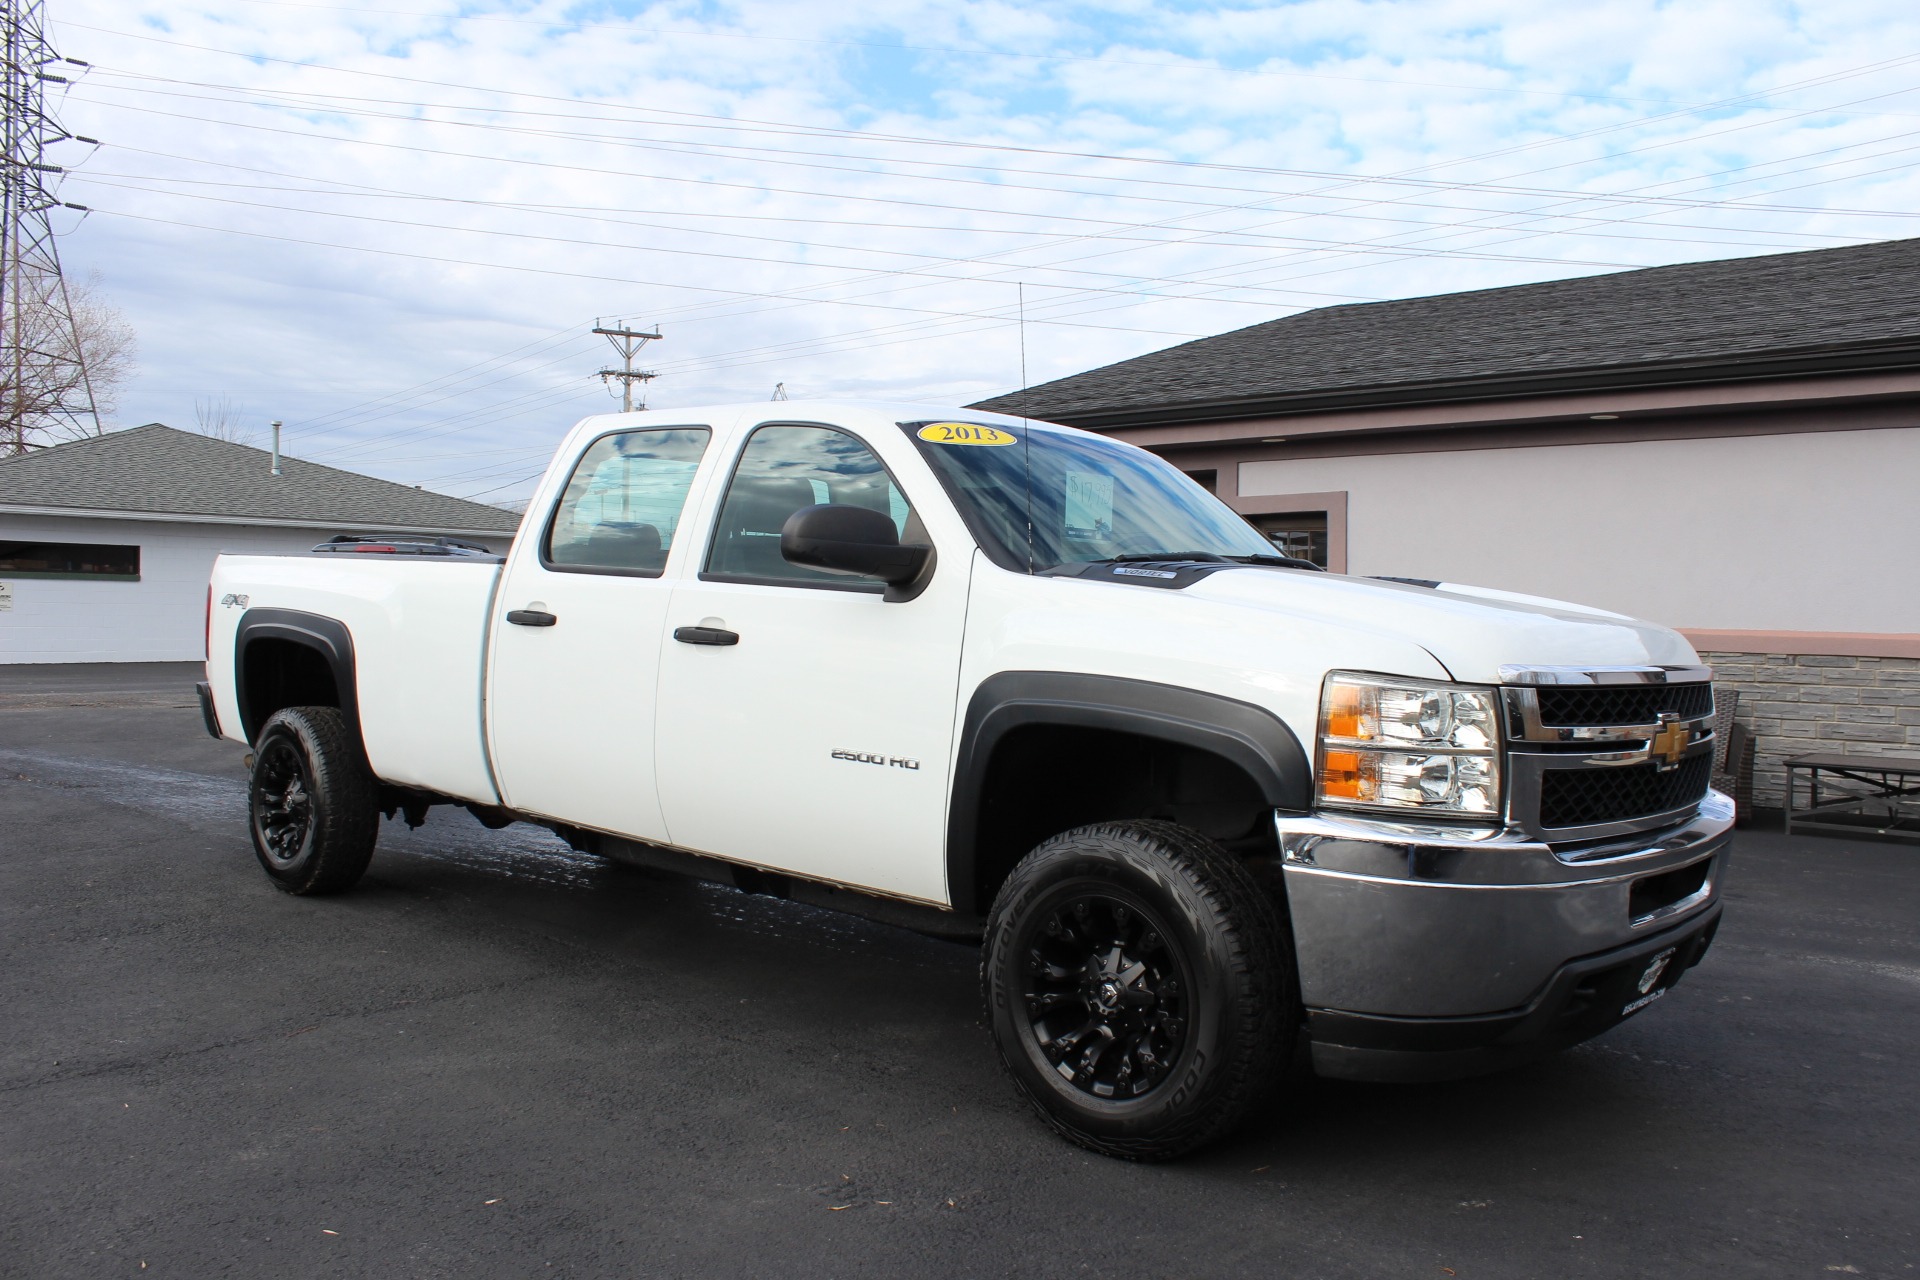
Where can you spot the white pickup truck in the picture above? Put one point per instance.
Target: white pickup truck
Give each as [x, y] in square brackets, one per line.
[1215, 814]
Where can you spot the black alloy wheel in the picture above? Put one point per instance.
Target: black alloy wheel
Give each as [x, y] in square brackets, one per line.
[1104, 998]
[283, 802]
[312, 802]
[1139, 983]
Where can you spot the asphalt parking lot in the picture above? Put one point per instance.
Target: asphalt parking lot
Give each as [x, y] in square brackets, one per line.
[501, 1058]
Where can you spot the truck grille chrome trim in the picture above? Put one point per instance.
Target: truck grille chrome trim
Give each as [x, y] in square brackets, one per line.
[1605, 675]
[1624, 751]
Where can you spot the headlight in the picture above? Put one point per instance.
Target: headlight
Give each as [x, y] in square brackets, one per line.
[1401, 744]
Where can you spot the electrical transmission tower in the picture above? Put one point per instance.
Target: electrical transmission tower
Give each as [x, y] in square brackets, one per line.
[628, 343]
[42, 359]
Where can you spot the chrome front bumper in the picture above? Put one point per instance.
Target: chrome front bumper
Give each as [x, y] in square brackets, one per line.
[1404, 922]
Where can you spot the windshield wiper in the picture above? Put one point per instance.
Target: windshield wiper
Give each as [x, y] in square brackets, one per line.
[1141, 557]
[1284, 562]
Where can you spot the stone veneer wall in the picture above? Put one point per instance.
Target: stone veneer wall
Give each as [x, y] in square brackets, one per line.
[1803, 704]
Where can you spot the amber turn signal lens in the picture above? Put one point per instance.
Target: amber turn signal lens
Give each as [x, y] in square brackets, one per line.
[1340, 776]
[1347, 713]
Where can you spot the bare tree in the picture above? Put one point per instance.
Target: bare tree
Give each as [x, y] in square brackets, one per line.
[61, 377]
[219, 417]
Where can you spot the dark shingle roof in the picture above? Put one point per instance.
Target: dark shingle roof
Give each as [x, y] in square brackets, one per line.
[1857, 307]
[167, 472]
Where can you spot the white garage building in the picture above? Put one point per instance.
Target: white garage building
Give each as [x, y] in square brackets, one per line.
[106, 543]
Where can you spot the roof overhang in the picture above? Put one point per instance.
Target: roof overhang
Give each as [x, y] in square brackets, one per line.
[256, 522]
[1810, 393]
[1900, 356]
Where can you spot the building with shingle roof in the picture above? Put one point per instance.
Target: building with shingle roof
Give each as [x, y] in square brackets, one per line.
[1853, 309]
[106, 543]
[1729, 447]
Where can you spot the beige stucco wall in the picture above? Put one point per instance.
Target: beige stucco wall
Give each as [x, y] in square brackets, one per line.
[1813, 532]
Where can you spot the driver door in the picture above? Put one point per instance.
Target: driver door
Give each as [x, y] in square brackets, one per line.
[818, 740]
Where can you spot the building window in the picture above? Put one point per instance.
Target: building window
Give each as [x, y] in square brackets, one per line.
[1301, 534]
[1208, 480]
[70, 560]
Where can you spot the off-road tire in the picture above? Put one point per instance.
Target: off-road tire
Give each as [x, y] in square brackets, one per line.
[312, 803]
[1239, 1003]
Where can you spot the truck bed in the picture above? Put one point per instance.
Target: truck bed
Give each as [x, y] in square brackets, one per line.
[419, 630]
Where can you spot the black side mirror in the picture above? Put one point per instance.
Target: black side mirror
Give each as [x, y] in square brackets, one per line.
[858, 540]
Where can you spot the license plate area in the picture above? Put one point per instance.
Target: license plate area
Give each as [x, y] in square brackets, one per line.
[1654, 979]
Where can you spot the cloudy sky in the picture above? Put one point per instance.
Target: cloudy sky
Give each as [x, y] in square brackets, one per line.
[395, 228]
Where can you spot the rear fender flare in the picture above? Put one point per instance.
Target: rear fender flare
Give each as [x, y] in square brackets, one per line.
[328, 637]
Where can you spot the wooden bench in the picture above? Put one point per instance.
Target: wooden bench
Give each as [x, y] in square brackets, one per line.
[1890, 798]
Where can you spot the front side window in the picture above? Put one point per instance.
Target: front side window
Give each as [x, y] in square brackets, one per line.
[1037, 497]
[785, 468]
[622, 506]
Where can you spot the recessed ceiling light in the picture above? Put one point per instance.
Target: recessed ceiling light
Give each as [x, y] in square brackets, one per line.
[1604, 417]
[1273, 439]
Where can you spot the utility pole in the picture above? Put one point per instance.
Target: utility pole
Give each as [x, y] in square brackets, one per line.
[41, 355]
[628, 343]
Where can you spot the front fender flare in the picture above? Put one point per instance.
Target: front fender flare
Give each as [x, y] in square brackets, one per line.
[1251, 737]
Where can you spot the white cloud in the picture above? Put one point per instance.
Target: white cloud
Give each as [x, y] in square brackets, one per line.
[845, 265]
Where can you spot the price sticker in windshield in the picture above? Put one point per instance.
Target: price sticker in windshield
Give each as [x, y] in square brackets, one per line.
[965, 433]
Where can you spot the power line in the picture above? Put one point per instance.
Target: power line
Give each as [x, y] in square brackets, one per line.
[578, 275]
[1674, 110]
[1302, 242]
[1347, 245]
[680, 148]
[1586, 196]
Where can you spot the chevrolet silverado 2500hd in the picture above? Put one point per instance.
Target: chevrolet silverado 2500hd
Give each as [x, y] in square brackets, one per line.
[1206, 805]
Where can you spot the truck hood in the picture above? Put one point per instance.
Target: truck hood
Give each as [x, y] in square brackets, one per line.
[1471, 631]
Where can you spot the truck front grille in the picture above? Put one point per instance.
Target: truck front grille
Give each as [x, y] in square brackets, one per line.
[1608, 751]
[1584, 705]
[1584, 797]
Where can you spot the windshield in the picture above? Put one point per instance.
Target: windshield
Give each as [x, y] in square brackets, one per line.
[1092, 498]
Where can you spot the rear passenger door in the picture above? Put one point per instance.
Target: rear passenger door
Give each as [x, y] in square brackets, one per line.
[817, 741]
[570, 702]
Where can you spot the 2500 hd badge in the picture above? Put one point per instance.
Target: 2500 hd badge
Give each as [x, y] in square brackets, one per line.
[868, 757]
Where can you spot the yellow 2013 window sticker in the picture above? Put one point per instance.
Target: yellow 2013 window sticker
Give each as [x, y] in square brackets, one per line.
[965, 433]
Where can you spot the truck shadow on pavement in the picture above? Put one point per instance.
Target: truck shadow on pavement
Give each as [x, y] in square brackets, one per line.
[831, 972]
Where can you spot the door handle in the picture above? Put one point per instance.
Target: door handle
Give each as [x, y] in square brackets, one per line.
[531, 618]
[705, 635]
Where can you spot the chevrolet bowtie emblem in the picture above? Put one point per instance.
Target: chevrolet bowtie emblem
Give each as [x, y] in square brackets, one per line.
[1671, 743]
